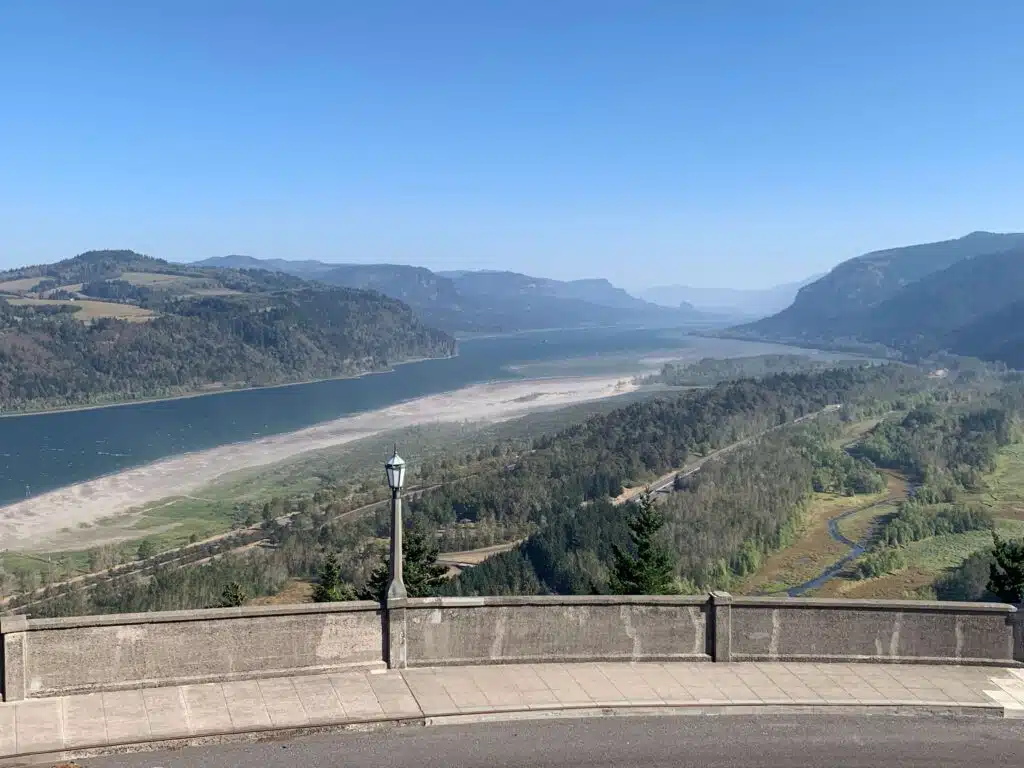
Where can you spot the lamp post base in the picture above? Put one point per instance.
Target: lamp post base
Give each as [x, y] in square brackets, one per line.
[396, 591]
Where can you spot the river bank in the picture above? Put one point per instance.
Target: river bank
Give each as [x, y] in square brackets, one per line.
[31, 524]
[213, 389]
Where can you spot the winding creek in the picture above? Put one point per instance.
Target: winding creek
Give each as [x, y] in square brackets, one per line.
[857, 548]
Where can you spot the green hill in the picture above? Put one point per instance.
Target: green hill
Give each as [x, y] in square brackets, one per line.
[110, 326]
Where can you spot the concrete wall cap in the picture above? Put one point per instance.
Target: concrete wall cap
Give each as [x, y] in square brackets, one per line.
[206, 614]
[10, 624]
[555, 600]
[922, 606]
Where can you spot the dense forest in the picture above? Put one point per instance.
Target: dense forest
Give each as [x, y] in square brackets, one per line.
[256, 329]
[720, 521]
[711, 370]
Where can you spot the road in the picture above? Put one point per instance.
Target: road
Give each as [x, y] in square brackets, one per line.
[725, 741]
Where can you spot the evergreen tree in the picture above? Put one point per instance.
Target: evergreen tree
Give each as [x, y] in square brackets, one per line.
[423, 576]
[146, 550]
[1006, 574]
[232, 596]
[331, 588]
[651, 571]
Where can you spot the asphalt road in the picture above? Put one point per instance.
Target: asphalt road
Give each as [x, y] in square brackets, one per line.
[631, 742]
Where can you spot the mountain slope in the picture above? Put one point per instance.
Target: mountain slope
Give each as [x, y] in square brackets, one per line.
[489, 301]
[925, 316]
[995, 336]
[860, 283]
[109, 326]
[971, 306]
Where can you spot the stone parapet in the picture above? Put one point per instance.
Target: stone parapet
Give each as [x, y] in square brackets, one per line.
[53, 657]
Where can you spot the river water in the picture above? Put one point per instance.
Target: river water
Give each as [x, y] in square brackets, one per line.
[43, 452]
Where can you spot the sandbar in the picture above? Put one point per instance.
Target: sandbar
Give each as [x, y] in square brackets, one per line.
[31, 524]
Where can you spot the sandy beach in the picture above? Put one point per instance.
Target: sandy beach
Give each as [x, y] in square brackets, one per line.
[29, 524]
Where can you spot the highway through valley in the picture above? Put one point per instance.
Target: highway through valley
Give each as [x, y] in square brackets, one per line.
[725, 741]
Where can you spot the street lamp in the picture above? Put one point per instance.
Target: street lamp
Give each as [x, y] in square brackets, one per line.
[395, 470]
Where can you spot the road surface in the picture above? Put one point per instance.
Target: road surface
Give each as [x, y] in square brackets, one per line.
[726, 741]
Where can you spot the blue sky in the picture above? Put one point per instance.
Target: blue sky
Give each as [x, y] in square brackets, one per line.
[712, 142]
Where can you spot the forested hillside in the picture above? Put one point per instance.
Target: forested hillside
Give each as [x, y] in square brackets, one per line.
[960, 296]
[711, 370]
[111, 326]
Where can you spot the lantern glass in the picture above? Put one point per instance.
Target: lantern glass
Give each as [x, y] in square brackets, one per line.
[395, 469]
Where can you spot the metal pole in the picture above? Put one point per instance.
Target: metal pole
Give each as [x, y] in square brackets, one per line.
[396, 590]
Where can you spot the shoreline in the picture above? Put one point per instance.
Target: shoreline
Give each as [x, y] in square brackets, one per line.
[35, 523]
[226, 390]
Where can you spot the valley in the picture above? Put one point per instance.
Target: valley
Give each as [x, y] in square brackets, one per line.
[777, 469]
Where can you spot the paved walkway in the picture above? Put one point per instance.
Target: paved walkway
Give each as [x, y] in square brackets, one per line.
[62, 726]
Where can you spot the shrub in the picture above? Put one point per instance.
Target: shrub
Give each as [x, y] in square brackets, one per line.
[880, 562]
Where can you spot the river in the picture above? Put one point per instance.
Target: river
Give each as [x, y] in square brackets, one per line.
[43, 452]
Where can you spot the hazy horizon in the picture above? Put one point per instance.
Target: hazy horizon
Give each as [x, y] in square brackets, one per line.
[734, 144]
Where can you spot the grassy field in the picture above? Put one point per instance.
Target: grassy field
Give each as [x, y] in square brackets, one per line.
[196, 286]
[927, 559]
[19, 286]
[154, 278]
[930, 558]
[1004, 488]
[860, 525]
[812, 552]
[88, 309]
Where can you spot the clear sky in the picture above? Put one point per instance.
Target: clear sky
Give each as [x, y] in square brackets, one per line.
[707, 142]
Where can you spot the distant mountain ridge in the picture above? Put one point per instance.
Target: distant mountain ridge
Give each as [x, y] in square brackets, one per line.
[737, 302]
[484, 300]
[956, 295]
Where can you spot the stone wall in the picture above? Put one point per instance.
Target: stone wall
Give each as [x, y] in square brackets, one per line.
[871, 630]
[467, 630]
[719, 627]
[50, 657]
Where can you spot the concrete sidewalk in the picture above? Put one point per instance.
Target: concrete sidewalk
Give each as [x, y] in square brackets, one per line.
[61, 728]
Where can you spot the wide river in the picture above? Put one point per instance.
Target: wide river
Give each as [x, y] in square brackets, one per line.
[42, 452]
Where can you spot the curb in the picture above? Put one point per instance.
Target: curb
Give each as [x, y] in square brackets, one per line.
[516, 714]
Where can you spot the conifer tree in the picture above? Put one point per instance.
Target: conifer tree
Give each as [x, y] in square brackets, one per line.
[232, 596]
[330, 587]
[422, 575]
[649, 569]
[1006, 574]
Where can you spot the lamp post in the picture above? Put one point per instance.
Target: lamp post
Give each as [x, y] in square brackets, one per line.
[395, 470]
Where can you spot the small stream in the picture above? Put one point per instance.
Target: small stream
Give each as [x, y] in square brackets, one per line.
[857, 548]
